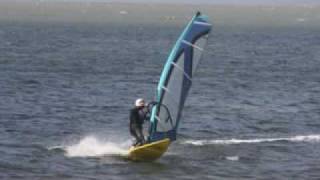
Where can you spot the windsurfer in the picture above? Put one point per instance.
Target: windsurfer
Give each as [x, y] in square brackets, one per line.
[138, 115]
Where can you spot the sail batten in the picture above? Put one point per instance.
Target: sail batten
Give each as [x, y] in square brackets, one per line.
[178, 67]
[192, 45]
[176, 79]
[203, 23]
[170, 95]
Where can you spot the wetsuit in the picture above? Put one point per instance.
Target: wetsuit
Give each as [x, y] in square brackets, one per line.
[137, 117]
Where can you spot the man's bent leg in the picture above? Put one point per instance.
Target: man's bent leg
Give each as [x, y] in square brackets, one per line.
[140, 136]
[133, 132]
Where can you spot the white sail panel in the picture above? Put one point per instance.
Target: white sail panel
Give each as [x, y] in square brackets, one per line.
[201, 42]
[171, 97]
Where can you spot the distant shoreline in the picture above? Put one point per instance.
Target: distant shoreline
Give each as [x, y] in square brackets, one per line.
[186, 2]
[151, 13]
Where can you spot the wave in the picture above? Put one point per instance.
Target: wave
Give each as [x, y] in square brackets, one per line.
[232, 158]
[306, 138]
[91, 146]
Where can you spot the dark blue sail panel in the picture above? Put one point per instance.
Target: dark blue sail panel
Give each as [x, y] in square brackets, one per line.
[176, 79]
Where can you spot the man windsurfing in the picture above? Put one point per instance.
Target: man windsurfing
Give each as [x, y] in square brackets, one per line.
[138, 115]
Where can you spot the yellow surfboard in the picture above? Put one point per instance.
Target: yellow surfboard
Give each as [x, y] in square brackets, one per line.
[149, 152]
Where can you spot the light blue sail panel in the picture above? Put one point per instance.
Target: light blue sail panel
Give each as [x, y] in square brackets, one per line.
[176, 79]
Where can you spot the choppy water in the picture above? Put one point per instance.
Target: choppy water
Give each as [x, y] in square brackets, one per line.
[65, 93]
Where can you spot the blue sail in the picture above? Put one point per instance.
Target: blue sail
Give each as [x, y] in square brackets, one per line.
[176, 79]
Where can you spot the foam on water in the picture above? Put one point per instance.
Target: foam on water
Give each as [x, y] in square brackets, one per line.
[232, 158]
[306, 138]
[91, 146]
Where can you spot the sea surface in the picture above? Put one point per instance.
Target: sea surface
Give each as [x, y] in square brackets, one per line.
[66, 89]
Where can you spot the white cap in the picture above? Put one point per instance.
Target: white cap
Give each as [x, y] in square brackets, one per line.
[140, 102]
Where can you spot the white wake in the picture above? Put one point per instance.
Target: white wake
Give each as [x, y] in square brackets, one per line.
[91, 146]
[306, 138]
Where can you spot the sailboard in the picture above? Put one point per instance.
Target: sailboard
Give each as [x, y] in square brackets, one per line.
[172, 90]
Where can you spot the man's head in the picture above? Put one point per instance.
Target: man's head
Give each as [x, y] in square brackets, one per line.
[140, 102]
